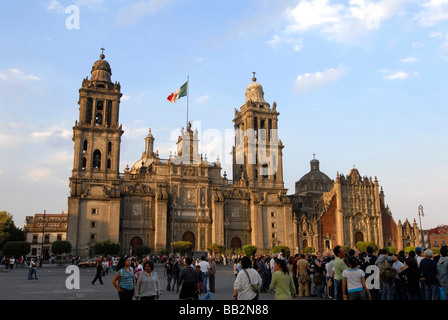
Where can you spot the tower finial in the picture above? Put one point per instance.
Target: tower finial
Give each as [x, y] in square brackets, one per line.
[254, 79]
[314, 156]
[102, 56]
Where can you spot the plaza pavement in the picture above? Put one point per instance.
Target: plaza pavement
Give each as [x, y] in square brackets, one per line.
[51, 285]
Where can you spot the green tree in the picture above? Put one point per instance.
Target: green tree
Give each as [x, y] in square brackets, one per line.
[60, 247]
[409, 249]
[182, 247]
[8, 230]
[250, 250]
[309, 250]
[390, 249]
[278, 249]
[16, 248]
[216, 248]
[362, 246]
[142, 250]
[107, 248]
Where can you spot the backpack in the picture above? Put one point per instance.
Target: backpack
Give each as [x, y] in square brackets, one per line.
[387, 273]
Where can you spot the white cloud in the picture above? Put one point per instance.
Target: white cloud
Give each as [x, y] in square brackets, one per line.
[433, 12]
[436, 35]
[397, 75]
[16, 74]
[338, 22]
[409, 60]
[295, 42]
[132, 15]
[55, 5]
[125, 98]
[53, 132]
[309, 81]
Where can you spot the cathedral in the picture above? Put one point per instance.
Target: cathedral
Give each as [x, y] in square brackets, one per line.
[184, 197]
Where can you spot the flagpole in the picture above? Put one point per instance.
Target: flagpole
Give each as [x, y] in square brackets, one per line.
[188, 95]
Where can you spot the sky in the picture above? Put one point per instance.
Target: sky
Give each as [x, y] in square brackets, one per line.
[357, 83]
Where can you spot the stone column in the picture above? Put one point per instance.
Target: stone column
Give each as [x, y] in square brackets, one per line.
[160, 240]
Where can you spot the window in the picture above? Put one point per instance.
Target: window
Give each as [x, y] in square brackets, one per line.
[109, 148]
[84, 163]
[94, 211]
[109, 163]
[272, 214]
[97, 159]
[34, 251]
[274, 235]
[35, 238]
[273, 225]
[84, 147]
[47, 238]
[92, 236]
[59, 237]
[93, 224]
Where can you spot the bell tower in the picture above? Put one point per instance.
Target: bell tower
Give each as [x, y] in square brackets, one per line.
[257, 155]
[97, 133]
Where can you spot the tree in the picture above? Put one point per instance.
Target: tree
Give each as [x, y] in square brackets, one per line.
[362, 246]
[8, 230]
[16, 248]
[60, 247]
[142, 250]
[250, 250]
[107, 248]
[409, 249]
[390, 249]
[216, 248]
[309, 250]
[182, 247]
[278, 249]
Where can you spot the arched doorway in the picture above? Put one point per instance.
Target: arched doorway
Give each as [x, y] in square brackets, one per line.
[359, 237]
[304, 244]
[189, 237]
[235, 243]
[135, 242]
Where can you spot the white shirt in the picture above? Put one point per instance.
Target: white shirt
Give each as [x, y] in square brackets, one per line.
[272, 265]
[205, 266]
[397, 265]
[243, 286]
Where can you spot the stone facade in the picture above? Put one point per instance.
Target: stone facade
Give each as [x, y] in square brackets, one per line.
[41, 230]
[182, 197]
[345, 211]
[185, 197]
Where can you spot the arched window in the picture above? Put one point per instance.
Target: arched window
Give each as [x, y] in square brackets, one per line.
[109, 148]
[84, 147]
[98, 119]
[84, 163]
[96, 163]
[89, 110]
[109, 163]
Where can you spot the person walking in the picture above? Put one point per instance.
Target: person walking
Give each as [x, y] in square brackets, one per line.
[148, 285]
[32, 270]
[354, 283]
[248, 277]
[188, 279]
[282, 281]
[303, 277]
[124, 279]
[212, 274]
[205, 268]
[99, 272]
[176, 271]
[262, 271]
[168, 273]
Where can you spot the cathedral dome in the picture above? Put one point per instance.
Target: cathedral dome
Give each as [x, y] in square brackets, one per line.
[101, 70]
[254, 91]
[315, 180]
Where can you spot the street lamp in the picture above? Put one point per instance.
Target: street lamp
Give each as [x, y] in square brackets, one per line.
[420, 215]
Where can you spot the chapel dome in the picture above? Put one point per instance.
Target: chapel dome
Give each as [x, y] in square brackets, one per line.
[315, 180]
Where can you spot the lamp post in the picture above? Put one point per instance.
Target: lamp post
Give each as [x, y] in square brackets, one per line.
[420, 215]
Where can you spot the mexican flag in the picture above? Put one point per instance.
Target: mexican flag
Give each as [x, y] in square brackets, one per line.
[179, 93]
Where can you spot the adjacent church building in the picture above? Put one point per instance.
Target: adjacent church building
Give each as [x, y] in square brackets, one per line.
[186, 197]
